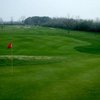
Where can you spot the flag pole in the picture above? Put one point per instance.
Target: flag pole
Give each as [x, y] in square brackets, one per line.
[12, 59]
[12, 54]
[10, 46]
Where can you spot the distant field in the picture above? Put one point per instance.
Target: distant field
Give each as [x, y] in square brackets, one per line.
[49, 64]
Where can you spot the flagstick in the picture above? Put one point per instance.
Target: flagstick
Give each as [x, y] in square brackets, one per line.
[12, 60]
[12, 55]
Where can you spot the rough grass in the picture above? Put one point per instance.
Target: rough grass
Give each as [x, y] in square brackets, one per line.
[49, 64]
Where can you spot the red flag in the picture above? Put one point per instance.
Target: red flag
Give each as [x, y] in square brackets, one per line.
[10, 45]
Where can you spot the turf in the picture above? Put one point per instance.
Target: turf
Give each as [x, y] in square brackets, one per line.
[49, 64]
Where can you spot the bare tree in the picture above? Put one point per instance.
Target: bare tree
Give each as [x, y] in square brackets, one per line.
[68, 23]
[11, 20]
[1, 23]
[22, 18]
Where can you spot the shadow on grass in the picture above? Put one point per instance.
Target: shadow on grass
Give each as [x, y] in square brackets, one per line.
[91, 49]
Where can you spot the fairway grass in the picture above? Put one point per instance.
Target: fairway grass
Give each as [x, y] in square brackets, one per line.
[49, 64]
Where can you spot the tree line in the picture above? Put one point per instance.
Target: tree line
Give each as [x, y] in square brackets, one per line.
[65, 23]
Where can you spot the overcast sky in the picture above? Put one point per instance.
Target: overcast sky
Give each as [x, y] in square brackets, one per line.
[87, 9]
